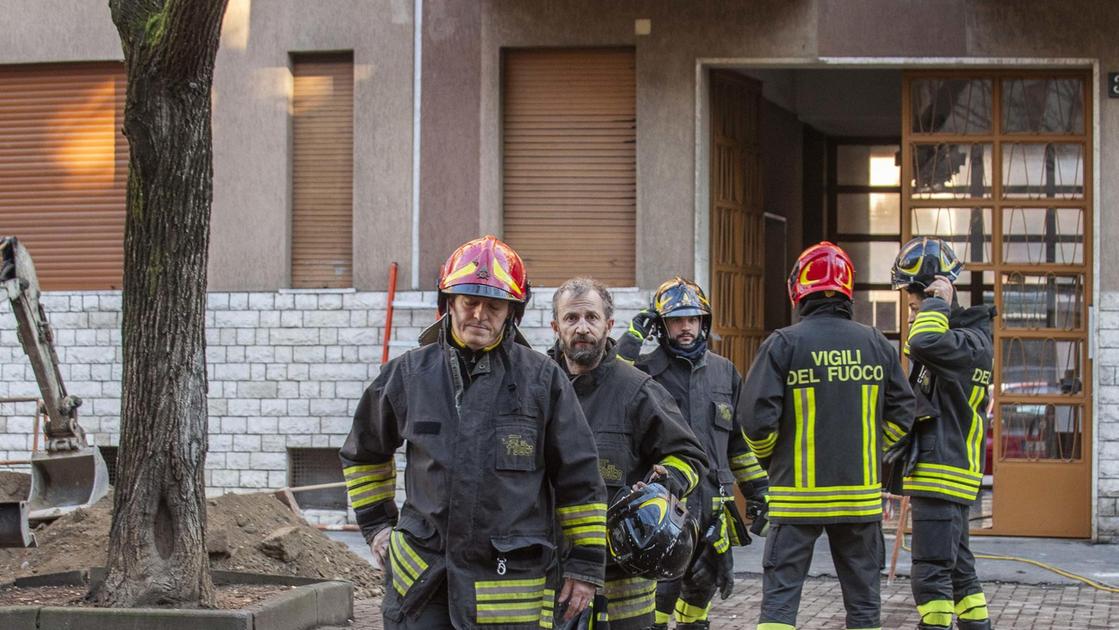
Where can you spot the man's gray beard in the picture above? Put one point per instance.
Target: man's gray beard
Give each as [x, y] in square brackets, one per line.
[585, 357]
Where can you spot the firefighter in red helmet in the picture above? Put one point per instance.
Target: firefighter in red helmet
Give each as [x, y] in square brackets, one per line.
[500, 464]
[822, 400]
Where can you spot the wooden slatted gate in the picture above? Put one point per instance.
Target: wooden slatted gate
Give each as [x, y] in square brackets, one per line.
[570, 162]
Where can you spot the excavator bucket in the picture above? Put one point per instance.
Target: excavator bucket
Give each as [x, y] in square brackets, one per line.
[64, 481]
[14, 530]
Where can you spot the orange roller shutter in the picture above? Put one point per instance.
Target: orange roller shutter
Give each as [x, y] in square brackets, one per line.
[64, 170]
[570, 163]
[322, 171]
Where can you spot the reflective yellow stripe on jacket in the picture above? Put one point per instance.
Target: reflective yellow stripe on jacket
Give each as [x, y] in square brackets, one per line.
[763, 447]
[369, 483]
[677, 464]
[584, 524]
[952, 481]
[514, 602]
[630, 597]
[746, 468]
[870, 434]
[804, 456]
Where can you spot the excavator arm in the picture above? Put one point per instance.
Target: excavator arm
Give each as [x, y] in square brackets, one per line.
[21, 286]
[70, 473]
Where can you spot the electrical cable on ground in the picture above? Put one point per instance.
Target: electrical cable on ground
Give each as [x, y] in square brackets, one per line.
[1041, 565]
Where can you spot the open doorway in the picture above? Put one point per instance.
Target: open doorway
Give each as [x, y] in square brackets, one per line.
[994, 163]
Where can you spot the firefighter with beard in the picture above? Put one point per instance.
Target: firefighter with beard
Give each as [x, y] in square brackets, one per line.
[821, 401]
[637, 428]
[952, 355]
[499, 456]
[704, 386]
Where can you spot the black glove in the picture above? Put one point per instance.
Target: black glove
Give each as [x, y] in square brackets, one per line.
[758, 511]
[899, 450]
[642, 324]
[711, 569]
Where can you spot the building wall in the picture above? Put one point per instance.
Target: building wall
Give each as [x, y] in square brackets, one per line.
[250, 229]
[810, 34]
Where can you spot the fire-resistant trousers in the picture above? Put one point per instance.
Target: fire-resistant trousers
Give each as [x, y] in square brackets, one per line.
[856, 550]
[434, 615]
[944, 580]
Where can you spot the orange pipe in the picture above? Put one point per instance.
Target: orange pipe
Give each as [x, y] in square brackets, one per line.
[388, 314]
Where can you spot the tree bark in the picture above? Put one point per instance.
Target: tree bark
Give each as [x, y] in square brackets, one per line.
[157, 552]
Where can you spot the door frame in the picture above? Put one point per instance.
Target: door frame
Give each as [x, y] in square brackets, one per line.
[702, 273]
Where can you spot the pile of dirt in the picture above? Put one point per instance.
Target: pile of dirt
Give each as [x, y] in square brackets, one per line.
[244, 532]
[14, 486]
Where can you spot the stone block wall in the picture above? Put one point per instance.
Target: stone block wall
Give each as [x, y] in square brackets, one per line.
[1106, 423]
[286, 369]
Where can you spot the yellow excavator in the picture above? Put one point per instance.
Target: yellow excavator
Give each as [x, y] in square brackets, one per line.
[68, 473]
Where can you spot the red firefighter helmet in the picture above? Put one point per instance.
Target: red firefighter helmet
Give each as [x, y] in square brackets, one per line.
[486, 267]
[822, 267]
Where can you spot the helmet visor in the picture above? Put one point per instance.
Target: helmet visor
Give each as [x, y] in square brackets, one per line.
[686, 311]
[647, 519]
[481, 290]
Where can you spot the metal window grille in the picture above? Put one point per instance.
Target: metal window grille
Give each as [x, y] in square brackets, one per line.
[312, 466]
[109, 454]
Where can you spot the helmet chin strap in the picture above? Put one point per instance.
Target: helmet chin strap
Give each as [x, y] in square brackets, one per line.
[692, 351]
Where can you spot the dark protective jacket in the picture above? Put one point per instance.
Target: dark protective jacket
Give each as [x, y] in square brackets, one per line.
[821, 402]
[636, 425]
[499, 455]
[706, 391]
[952, 362]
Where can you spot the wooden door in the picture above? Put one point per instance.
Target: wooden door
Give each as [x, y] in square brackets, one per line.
[737, 219]
[999, 164]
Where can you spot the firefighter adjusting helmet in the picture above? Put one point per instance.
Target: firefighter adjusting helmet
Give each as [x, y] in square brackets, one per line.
[486, 267]
[650, 534]
[681, 298]
[822, 267]
[921, 260]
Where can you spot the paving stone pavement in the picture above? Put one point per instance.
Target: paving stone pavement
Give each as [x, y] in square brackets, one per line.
[1012, 607]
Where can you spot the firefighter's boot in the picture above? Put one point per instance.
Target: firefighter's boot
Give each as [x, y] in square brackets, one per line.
[694, 625]
[965, 624]
[659, 626]
[929, 626]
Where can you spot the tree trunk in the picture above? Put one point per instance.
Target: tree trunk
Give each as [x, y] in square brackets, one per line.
[157, 552]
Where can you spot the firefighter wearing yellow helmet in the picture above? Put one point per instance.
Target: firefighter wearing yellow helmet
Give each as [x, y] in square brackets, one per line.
[704, 385]
[951, 355]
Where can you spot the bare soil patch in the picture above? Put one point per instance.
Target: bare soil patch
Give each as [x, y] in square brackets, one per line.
[244, 532]
[14, 486]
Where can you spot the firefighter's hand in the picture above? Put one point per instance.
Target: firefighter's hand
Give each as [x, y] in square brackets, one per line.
[380, 548]
[724, 579]
[942, 288]
[577, 595]
[641, 326]
[658, 473]
[899, 450]
[758, 511]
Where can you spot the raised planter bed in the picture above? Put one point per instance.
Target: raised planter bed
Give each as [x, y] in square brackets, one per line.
[310, 604]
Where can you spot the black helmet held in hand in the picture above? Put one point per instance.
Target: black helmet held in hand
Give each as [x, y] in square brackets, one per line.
[921, 260]
[650, 533]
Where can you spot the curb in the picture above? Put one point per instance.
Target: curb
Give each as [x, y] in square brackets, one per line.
[310, 604]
